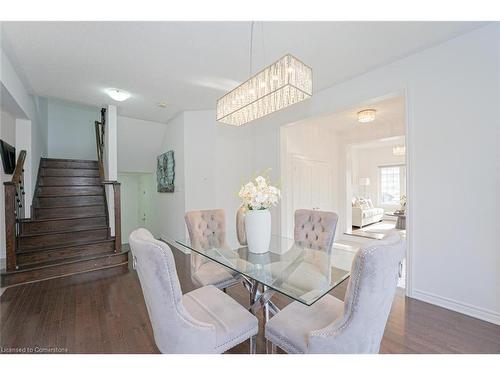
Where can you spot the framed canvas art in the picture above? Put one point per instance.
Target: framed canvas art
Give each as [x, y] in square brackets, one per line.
[165, 172]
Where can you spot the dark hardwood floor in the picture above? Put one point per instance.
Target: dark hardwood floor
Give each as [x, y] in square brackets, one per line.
[104, 312]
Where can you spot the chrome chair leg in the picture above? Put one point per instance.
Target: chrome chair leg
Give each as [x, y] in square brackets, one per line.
[266, 306]
[253, 344]
[270, 347]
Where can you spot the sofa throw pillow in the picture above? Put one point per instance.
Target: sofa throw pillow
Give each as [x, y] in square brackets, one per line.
[370, 203]
[364, 205]
[354, 201]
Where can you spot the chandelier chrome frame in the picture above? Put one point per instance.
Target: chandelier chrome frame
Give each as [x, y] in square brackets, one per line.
[285, 82]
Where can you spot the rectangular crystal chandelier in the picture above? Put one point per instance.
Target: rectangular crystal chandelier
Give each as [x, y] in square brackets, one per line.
[286, 82]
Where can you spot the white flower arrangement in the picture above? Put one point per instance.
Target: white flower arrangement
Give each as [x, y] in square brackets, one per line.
[402, 202]
[259, 195]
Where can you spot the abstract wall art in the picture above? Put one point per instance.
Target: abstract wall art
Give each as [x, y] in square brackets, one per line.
[165, 172]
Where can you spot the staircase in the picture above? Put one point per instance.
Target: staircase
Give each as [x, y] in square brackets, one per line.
[68, 231]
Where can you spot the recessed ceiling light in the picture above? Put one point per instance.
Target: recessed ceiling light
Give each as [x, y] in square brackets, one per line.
[118, 95]
[366, 115]
[162, 104]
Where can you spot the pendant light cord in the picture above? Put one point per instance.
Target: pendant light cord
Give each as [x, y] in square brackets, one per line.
[251, 46]
[263, 45]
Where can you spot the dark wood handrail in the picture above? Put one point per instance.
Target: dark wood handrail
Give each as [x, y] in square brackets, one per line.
[14, 210]
[100, 128]
[18, 171]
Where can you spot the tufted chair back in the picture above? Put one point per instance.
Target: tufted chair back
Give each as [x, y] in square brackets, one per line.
[315, 229]
[206, 228]
[174, 329]
[368, 300]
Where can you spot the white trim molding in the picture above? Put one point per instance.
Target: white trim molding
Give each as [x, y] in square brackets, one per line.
[461, 307]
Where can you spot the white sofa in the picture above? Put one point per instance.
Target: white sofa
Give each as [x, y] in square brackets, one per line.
[364, 213]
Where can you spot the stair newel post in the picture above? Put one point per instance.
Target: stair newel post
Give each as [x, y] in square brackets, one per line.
[21, 212]
[118, 225]
[10, 224]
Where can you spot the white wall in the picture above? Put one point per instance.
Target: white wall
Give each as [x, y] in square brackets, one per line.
[212, 161]
[234, 150]
[452, 93]
[129, 203]
[170, 207]
[71, 132]
[139, 142]
[136, 190]
[39, 129]
[7, 134]
[31, 113]
[7, 128]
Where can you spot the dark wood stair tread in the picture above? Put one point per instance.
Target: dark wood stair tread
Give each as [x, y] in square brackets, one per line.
[69, 176]
[71, 160]
[73, 167]
[69, 260]
[63, 231]
[63, 269]
[80, 167]
[60, 218]
[70, 206]
[84, 195]
[50, 186]
[48, 248]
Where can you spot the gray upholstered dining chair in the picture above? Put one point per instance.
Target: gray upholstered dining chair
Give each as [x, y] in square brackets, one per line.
[202, 321]
[208, 228]
[315, 229]
[353, 326]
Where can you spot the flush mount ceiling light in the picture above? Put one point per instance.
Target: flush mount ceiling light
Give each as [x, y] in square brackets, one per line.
[366, 115]
[162, 104]
[281, 84]
[399, 150]
[118, 95]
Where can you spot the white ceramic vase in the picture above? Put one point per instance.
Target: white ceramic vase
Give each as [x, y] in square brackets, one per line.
[258, 230]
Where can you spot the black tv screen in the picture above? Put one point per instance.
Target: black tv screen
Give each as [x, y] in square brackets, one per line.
[8, 153]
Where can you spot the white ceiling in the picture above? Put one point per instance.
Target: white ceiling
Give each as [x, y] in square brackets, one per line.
[190, 64]
[390, 112]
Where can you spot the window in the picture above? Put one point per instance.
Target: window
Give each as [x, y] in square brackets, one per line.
[392, 184]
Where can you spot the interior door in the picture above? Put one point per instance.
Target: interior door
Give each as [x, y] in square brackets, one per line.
[145, 201]
[311, 184]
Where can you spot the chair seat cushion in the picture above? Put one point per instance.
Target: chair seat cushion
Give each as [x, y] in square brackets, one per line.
[233, 323]
[290, 328]
[211, 273]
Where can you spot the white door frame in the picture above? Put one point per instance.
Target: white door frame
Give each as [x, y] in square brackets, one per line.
[285, 177]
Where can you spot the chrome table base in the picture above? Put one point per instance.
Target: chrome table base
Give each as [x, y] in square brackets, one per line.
[260, 298]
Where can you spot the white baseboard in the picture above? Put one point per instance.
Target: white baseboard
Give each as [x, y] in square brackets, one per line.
[461, 307]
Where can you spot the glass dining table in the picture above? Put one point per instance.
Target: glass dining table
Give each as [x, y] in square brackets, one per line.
[301, 273]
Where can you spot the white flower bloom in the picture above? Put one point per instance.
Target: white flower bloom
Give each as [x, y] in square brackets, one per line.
[261, 182]
[259, 195]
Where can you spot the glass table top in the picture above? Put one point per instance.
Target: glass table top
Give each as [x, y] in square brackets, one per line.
[301, 273]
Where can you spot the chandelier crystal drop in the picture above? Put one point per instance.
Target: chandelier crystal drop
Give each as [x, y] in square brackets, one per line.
[281, 84]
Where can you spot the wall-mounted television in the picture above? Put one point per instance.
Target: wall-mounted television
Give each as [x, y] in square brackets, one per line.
[8, 153]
